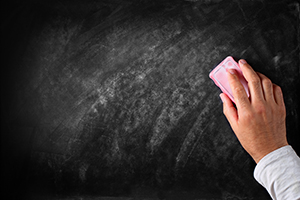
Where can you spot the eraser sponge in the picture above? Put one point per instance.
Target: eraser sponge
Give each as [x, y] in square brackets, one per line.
[219, 76]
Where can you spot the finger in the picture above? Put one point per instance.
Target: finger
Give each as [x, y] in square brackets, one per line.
[267, 87]
[253, 80]
[239, 93]
[229, 109]
[278, 95]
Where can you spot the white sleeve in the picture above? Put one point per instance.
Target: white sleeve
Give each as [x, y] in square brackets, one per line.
[279, 173]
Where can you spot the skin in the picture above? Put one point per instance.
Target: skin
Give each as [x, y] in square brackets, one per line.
[257, 121]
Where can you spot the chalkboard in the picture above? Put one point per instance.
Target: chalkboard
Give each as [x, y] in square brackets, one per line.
[112, 99]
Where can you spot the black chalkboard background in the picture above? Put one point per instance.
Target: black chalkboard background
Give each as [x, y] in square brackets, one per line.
[112, 98]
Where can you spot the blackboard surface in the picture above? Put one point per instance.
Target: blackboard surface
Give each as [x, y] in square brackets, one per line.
[112, 99]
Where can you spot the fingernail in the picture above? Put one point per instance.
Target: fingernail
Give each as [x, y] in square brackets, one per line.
[221, 96]
[231, 71]
[243, 61]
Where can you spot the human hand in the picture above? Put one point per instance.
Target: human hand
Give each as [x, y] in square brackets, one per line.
[258, 121]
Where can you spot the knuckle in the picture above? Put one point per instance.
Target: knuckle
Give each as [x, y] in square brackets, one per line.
[277, 88]
[242, 102]
[247, 115]
[267, 82]
[239, 90]
[247, 66]
[260, 109]
[255, 81]
[256, 85]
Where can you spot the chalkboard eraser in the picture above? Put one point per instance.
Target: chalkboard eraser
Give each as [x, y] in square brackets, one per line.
[219, 76]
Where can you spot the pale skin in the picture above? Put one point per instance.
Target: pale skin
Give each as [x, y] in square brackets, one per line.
[257, 121]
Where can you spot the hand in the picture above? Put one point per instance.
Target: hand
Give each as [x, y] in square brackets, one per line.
[258, 121]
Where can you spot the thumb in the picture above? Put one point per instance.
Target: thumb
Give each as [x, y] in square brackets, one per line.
[229, 110]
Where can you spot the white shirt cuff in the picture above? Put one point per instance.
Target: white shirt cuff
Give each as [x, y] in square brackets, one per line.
[279, 173]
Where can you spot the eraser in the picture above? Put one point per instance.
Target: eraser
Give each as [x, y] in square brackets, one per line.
[219, 76]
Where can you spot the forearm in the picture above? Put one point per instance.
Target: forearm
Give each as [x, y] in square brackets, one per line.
[279, 173]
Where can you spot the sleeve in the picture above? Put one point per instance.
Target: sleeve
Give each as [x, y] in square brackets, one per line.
[279, 173]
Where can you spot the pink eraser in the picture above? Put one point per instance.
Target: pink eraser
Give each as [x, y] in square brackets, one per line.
[219, 76]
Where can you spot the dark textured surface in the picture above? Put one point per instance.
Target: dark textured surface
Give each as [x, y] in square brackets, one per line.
[113, 99]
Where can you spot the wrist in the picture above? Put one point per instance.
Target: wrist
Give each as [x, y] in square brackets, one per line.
[262, 154]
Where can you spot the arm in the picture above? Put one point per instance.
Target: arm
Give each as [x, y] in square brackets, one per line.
[259, 124]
